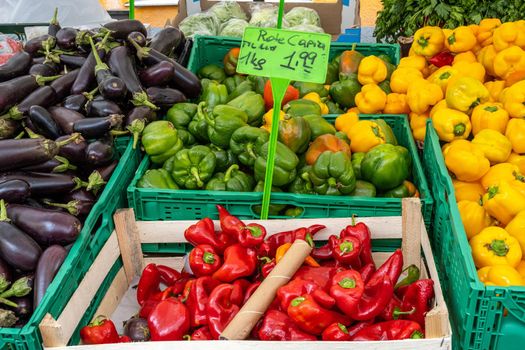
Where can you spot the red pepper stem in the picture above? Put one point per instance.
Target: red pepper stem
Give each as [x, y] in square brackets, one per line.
[397, 312]
[342, 327]
[309, 239]
[347, 283]
[98, 321]
[353, 219]
[417, 335]
[346, 247]
[254, 231]
[186, 337]
[297, 301]
[265, 259]
[208, 258]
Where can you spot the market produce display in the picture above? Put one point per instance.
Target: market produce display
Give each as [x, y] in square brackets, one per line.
[337, 294]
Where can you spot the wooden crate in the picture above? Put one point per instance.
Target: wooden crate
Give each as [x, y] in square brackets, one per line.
[129, 234]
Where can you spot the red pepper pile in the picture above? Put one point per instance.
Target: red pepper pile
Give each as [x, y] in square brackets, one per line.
[344, 298]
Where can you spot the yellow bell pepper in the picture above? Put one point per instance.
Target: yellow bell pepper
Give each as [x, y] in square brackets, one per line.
[500, 275]
[465, 161]
[486, 30]
[494, 246]
[500, 172]
[518, 160]
[509, 61]
[468, 191]
[372, 70]
[428, 41]
[364, 135]
[516, 134]
[396, 104]
[371, 99]
[489, 115]
[465, 93]
[521, 268]
[507, 35]
[418, 62]
[460, 39]
[486, 57]
[402, 77]
[422, 95]
[516, 228]
[503, 202]
[314, 96]
[467, 56]
[474, 217]
[344, 121]
[494, 145]
[267, 119]
[440, 105]
[495, 88]
[471, 69]
[418, 124]
[451, 124]
[514, 100]
[443, 76]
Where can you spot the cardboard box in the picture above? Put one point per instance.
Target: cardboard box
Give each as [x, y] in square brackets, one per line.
[335, 16]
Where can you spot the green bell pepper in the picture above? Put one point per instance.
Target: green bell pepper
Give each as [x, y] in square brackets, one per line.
[245, 141]
[214, 94]
[212, 72]
[319, 126]
[285, 164]
[344, 92]
[243, 87]
[386, 166]
[302, 183]
[305, 88]
[222, 122]
[406, 189]
[232, 82]
[198, 126]
[181, 114]
[258, 83]
[225, 158]
[186, 137]
[232, 180]
[342, 136]
[295, 133]
[160, 140]
[357, 159]
[274, 209]
[363, 189]
[332, 71]
[333, 108]
[301, 107]
[157, 178]
[191, 168]
[390, 68]
[252, 104]
[332, 174]
[294, 212]
[390, 137]
[385, 86]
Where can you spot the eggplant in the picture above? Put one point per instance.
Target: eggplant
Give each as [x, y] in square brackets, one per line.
[48, 266]
[110, 86]
[136, 119]
[40, 43]
[79, 202]
[15, 90]
[100, 152]
[65, 118]
[78, 102]
[74, 151]
[54, 26]
[62, 85]
[5, 271]
[25, 152]
[46, 184]
[14, 191]
[48, 69]
[138, 37]
[137, 329]
[24, 308]
[16, 66]
[66, 38]
[106, 171]
[72, 60]
[44, 96]
[57, 164]
[165, 98]
[86, 77]
[46, 226]
[44, 123]
[92, 128]
[159, 74]
[17, 248]
[167, 40]
[99, 108]
[121, 29]
[38, 60]
[8, 128]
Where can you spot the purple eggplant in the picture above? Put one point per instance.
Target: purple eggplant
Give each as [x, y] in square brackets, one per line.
[65, 118]
[17, 248]
[5, 271]
[46, 270]
[100, 152]
[99, 108]
[57, 164]
[62, 85]
[15, 90]
[79, 203]
[47, 69]
[167, 40]
[165, 98]
[54, 26]
[39, 44]
[8, 128]
[24, 152]
[14, 191]
[44, 123]
[66, 38]
[138, 37]
[109, 86]
[121, 29]
[78, 102]
[92, 128]
[49, 184]
[38, 60]
[137, 329]
[24, 308]
[75, 150]
[16, 66]
[44, 96]
[106, 171]
[86, 77]
[159, 74]
[72, 60]
[46, 226]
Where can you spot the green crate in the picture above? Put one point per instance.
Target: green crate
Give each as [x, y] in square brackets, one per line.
[96, 230]
[477, 312]
[164, 204]
[211, 49]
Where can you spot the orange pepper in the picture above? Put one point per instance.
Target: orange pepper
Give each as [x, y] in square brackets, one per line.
[279, 253]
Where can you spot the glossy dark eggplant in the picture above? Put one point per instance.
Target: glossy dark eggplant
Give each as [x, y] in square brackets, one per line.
[73, 60]
[44, 96]
[159, 74]
[38, 60]
[109, 86]
[24, 152]
[106, 171]
[137, 329]
[165, 98]
[66, 38]
[46, 226]
[100, 152]
[92, 128]
[14, 191]
[44, 69]
[39, 43]
[46, 270]
[24, 308]
[85, 80]
[78, 102]
[15, 90]
[99, 108]
[167, 40]
[74, 151]
[65, 118]
[44, 123]
[62, 85]
[16, 66]
[121, 29]
[46, 184]
[138, 37]
[54, 26]
[5, 271]
[57, 164]
[78, 203]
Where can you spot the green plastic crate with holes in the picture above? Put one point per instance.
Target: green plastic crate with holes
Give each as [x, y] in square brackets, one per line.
[482, 317]
[165, 204]
[211, 49]
[95, 231]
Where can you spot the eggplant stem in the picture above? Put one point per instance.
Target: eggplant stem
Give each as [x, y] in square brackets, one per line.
[142, 52]
[13, 113]
[3, 212]
[41, 80]
[136, 128]
[19, 136]
[73, 137]
[119, 132]
[91, 94]
[100, 65]
[32, 134]
[66, 165]
[54, 19]
[70, 206]
[95, 182]
[78, 184]
[8, 302]
[141, 99]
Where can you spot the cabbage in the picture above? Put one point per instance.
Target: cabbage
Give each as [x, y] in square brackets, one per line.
[234, 27]
[226, 10]
[307, 28]
[265, 17]
[302, 15]
[203, 23]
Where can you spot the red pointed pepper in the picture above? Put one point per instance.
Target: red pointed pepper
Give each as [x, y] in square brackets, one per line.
[169, 320]
[124, 339]
[203, 232]
[275, 241]
[168, 276]
[362, 233]
[418, 297]
[320, 275]
[250, 290]
[276, 325]
[202, 333]
[391, 330]
[322, 253]
[153, 300]
[394, 311]
[444, 58]
[149, 283]
[230, 224]
[99, 331]
[268, 266]
[198, 297]
[392, 267]
[356, 328]
[223, 304]
[238, 262]
[251, 235]
[336, 332]
[346, 250]
[298, 287]
[367, 271]
[376, 296]
[347, 289]
[203, 260]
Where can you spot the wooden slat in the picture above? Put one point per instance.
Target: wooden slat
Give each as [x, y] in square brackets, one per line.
[411, 231]
[114, 295]
[129, 242]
